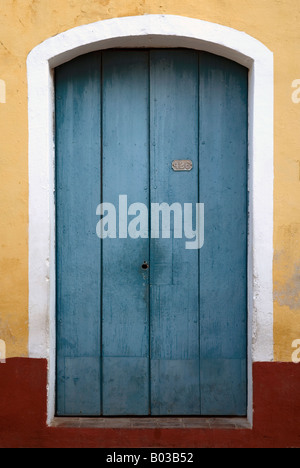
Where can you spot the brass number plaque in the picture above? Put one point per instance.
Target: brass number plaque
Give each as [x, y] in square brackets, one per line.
[182, 165]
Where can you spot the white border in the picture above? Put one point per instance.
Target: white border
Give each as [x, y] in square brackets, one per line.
[148, 31]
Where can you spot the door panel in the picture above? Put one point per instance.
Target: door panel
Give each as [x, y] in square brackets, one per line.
[125, 301]
[174, 281]
[223, 258]
[78, 137]
[172, 339]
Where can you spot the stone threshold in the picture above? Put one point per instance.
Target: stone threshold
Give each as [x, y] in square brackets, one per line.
[151, 423]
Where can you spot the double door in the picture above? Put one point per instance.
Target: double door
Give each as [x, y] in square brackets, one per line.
[151, 313]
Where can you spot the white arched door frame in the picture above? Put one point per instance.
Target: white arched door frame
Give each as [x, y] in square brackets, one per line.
[165, 31]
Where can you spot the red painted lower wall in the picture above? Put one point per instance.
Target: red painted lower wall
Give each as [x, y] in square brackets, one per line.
[23, 401]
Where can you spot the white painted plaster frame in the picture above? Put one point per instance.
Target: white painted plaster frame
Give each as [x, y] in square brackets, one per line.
[148, 31]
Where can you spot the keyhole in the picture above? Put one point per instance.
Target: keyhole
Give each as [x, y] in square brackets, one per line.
[145, 266]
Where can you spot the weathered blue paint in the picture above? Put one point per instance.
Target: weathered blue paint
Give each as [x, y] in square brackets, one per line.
[77, 246]
[170, 340]
[125, 301]
[174, 295]
[223, 258]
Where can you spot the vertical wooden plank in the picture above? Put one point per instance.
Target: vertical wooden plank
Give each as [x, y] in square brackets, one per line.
[125, 284]
[223, 258]
[77, 245]
[174, 270]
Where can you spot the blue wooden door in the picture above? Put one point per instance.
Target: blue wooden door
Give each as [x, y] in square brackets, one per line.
[146, 326]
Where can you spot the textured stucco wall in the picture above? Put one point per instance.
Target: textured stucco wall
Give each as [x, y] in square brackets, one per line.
[26, 23]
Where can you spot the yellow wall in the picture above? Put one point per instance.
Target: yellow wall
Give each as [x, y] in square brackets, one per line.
[26, 23]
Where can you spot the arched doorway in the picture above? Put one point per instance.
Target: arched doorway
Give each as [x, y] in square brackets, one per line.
[149, 31]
